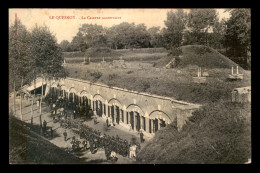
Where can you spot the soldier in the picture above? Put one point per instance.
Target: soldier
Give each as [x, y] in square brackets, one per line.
[44, 126]
[51, 133]
[65, 135]
[74, 114]
[107, 122]
[54, 108]
[130, 127]
[141, 136]
[113, 156]
[31, 120]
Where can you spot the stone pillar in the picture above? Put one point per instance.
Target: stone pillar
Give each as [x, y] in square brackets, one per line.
[134, 121]
[91, 104]
[159, 126]
[73, 97]
[106, 105]
[147, 124]
[124, 114]
[141, 121]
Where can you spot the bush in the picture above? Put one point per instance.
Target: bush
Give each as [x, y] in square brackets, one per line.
[96, 74]
[112, 76]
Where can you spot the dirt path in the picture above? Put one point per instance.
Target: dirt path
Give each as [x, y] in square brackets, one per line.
[58, 140]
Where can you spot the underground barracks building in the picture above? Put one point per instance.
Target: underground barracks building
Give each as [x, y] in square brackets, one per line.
[141, 110]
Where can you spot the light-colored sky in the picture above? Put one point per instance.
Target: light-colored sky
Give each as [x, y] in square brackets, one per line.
[66, 29]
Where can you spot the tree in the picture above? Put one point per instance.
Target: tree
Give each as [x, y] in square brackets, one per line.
[93, 35]
[155, 36]
[175, 25]
[18, 57]
[201, 21]
[78, 43]
[46, 56]
[64, 45]
[238, 32]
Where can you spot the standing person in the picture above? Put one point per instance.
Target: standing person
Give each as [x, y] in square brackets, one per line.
[31, 120]
[134, 151]
[65, 135]
[141, 136]
[111, 122]
[130, 127]
[113, 156]
[74, 114]
[51, 133]
[107, 122]
[54, 108]
[44, 126]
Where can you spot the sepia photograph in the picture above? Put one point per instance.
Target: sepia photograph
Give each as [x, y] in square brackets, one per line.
[129, 86]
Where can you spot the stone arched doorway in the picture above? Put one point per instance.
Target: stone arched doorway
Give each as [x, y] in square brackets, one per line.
[158, 119]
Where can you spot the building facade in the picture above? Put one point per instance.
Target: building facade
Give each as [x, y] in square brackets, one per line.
[140, 110]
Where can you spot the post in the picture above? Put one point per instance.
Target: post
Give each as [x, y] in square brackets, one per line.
[21, 100]
[14, 98]
[232, 70]
[32, 106]
[198, 72]
[41, 98]
[237, 69]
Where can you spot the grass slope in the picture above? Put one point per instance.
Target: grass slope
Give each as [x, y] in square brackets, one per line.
[26, 147]
[218, 133]
[201, 56]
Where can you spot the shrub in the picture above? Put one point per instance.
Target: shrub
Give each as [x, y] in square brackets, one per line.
[96, 74]
[112, 76]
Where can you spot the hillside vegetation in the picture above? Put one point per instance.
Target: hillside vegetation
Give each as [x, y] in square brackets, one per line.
[27, 147]
[202, 56]
[217, 133]
[97, 54]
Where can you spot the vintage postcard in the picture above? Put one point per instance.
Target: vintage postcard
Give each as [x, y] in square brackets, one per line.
[129, 86]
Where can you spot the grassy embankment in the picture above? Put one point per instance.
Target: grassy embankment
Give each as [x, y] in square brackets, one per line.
[97, 54]
[26, 147]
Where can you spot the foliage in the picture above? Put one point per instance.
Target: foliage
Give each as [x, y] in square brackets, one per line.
[217, 133]
[175, 24]
[200, 21]
[96, 74]
[45, 55]
[238, 32]
[19, 65]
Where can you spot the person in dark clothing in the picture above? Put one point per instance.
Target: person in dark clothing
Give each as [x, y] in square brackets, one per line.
[51, 133]
[65, 135]
[141, 136]
[44, 126]
[107, 122]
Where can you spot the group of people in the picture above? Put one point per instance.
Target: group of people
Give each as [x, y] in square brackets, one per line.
[93, 139]
[61, 106]
[112, 145]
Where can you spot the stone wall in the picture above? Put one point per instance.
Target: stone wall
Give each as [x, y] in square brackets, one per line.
[147, 105]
